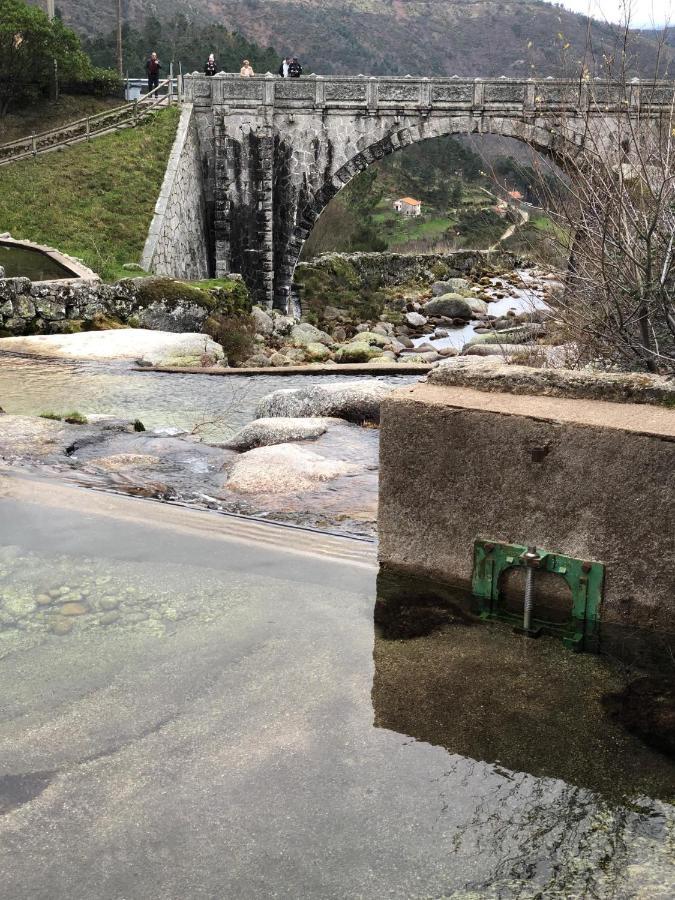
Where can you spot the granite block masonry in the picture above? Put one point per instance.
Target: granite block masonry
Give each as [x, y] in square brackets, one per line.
[271, 153]
[586, 478]
[178, 240]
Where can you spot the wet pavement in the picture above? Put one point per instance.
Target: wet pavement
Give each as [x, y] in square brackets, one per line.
[223, 719]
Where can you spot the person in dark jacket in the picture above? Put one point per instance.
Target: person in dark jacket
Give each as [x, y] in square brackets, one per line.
[152, 67]
[211, 67]
[294, 68]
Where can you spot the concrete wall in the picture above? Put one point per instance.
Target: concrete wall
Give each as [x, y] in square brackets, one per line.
[178, 239]
[459, 464]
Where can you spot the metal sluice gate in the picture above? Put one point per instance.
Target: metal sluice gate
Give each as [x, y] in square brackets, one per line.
[584, 578]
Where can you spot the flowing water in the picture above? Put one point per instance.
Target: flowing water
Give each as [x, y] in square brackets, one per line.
[185, 469]
[214, 406]
[524, 294]
[196, 707]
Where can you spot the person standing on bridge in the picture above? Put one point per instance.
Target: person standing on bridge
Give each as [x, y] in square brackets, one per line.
[152, 67]
[283, 68]
[211, 67]
[246, 70]
[294, 68]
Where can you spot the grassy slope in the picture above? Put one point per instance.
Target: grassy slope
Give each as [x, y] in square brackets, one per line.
[45, 115]
[94, 201]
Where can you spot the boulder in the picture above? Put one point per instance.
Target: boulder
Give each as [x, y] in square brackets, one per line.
[492, 349]
[295, 355]
[356, 351]
[282, 325]
[451, 305]
[265, 432]
[154, 347]
[257, 361]
[450, 286]
[355, 401]
[263, 321]
[283, 469]
[372, 337]
[278, 359]
[478, 307]
[383, 328]
[316, 352]
[415, 319]
[304, 334]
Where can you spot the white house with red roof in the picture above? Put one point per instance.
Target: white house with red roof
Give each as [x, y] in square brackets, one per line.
[408, 206]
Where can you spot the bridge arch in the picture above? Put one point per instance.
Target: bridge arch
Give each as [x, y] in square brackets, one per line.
[557, 144]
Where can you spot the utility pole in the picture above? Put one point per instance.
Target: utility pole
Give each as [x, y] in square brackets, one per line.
[120, 65]
[51, 13]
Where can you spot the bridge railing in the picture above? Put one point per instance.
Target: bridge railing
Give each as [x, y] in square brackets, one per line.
[543, 95]
[127, 115]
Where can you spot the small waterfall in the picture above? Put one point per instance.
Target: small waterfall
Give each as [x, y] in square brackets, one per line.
[294, 305]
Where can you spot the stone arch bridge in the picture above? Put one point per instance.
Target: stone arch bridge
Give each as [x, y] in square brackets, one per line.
[256, 160]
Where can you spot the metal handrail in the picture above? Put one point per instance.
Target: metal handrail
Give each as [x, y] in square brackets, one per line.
[127, 115]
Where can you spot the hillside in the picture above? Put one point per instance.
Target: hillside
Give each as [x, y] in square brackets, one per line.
[463, 37]
[94, 201]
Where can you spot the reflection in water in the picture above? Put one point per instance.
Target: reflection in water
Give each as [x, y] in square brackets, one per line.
[445, 677]
[203, 726]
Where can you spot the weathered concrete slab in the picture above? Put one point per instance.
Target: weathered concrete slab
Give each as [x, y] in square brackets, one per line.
[585, 478]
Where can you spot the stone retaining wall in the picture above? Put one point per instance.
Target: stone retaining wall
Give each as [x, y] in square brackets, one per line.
[178, 239]
[390, 269]
[57, 307]
[586, 478]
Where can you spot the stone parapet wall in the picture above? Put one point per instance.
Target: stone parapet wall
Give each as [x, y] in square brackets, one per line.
[584, 478]
[178, 239]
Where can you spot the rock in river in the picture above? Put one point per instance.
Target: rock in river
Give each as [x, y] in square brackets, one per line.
[265, 432]
[451, 305]
[284, 469]
[355, 401]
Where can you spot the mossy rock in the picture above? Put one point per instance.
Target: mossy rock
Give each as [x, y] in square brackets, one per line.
[316, 352]
[170, 293]
[356, 352]
[520, 335]
[222, 295]
[371, 337]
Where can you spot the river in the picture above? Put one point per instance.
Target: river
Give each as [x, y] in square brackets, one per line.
[197, 708]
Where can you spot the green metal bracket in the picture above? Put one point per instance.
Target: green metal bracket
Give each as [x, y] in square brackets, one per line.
[585, 579]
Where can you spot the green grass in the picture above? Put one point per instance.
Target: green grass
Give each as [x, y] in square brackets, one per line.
[94, 201]
[72, 418]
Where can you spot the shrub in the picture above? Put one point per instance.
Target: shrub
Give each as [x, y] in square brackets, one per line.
[234, 333]
[97, 82]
